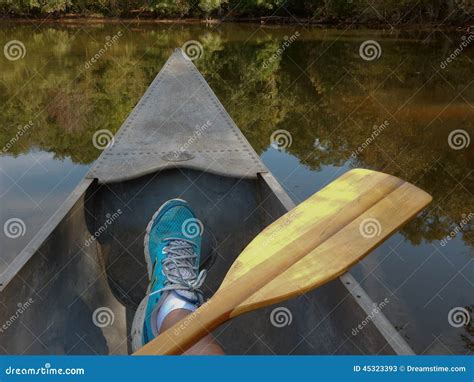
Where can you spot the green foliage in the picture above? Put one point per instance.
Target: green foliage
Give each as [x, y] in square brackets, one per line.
[33, 7]
[174, 8]
[384, 11]
[209, 6]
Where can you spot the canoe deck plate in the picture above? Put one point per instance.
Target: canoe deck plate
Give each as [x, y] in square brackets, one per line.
[179, 122]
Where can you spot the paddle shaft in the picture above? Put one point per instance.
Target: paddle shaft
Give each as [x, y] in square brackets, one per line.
[217, 310]
[221, 306]
[192, 328]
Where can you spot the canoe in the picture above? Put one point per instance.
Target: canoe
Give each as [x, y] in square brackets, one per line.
[75, 287]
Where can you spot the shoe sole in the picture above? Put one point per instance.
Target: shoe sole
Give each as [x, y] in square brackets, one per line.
[139, 318]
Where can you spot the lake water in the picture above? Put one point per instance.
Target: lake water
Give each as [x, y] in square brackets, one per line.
[399, 107]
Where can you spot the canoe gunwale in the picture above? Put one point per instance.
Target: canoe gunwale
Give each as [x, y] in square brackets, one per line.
[388, 331]
[42, 235]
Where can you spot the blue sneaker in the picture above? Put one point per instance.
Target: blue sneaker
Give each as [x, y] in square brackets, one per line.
[172, 254]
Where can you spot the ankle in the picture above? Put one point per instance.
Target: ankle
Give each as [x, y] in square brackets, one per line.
[174, 317]
[174, 305]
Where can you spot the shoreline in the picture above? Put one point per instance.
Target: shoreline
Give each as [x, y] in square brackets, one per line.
[270, 21]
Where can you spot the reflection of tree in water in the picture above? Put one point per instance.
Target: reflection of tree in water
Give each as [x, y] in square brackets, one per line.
[332, 107]
[319, 89]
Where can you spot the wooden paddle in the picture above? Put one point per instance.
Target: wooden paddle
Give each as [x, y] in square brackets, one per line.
[309, 246]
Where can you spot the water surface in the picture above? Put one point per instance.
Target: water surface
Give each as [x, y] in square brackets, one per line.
[318, 89]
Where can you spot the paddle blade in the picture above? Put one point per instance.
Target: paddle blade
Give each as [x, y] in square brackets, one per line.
[327, 233]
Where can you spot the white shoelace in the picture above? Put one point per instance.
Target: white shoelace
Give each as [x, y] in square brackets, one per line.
[180, 269]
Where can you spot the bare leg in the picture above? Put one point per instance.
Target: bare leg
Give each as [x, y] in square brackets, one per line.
[206, 346]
